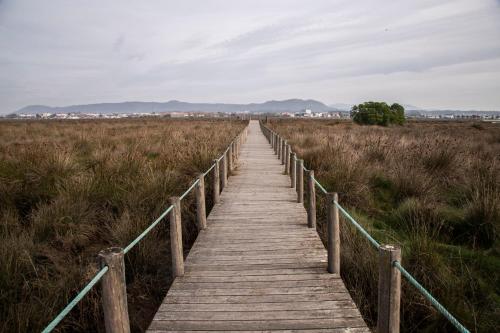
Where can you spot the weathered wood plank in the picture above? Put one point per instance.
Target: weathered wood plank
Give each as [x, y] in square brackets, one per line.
[265, 306]
[255, 284]
[320, 330]
[274, 315]
[220, 325]
[252, 292]
[249, 299]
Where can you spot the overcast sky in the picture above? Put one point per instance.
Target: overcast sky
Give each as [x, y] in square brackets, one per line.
[428, 53]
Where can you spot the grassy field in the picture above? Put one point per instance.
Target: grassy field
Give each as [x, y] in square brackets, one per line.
[69, 189]
[431, 187]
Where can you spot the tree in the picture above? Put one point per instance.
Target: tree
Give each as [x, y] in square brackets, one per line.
[398, 114]
[378, 113]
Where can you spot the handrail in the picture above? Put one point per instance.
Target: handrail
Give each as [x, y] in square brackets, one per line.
[396, 264]
[147, 230]
[461, 328]
[103, 270]
[209, 169]
[357, 225]
[320, 186]
[189, 189]
[75, 300]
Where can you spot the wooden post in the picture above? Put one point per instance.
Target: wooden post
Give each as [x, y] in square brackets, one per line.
[311, 189]
[224, 172]
[237, 146]
[333, 234]
[278, 148]
[216, 182]
[176, 238]
[293, 172]
[283, 148]
[114, 291]
[389, 290]
[201, 213]
[230, 158]
[235, 152]
[300, 180]
[238, 150]
[287, 159]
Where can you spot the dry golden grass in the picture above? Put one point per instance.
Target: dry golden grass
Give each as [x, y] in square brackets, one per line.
[433, 188]
[71, 188]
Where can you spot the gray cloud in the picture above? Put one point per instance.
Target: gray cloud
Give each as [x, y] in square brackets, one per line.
[61, 52]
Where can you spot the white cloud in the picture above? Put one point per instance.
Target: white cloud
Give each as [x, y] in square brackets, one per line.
[428, 53]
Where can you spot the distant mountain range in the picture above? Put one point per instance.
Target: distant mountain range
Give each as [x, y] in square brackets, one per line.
[290, 105]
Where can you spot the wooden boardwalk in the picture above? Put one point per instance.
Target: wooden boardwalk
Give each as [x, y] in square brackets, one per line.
[257, 267]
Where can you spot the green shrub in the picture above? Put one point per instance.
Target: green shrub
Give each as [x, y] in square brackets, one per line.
[378, 113]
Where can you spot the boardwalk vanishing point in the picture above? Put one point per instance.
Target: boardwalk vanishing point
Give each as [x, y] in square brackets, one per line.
[257, 267]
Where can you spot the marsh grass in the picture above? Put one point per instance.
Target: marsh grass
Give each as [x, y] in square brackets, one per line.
[431, 187]
[69, 189]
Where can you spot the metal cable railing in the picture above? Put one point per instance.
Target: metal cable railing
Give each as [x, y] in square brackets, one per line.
[377, 245]
[104, 269]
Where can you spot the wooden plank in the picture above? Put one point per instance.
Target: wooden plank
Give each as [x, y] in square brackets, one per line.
[256, 284]
[255, 278]
[319, 330]
[221, 325]
[249, 299]
[266, 306]
[245, 266]
[252, 292]
[256, 272]
[221, 315]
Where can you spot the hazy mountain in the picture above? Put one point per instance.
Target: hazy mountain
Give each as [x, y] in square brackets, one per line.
[348, 107]
[292, 105]
[341, 106]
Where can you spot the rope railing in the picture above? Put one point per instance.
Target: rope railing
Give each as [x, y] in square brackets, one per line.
[75, 300]
[357, 225]
[383, 250]
[320, 186]
[461, 328]
[101, 273]
[183, 195]
[147, 230]
[208, 171]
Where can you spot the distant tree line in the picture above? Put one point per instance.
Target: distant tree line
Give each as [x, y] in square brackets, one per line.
[378, 113]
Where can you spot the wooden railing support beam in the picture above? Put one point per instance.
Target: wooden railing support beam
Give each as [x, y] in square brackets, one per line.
[287, 159]
[311, 208]
[278, 151]
[283, 149]
[114, 291]
[201, 213]
[389, 290]
[216, 182]
[333, 232]
[176, 238]
[223, 171]
[230, 158]
[300, 180]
